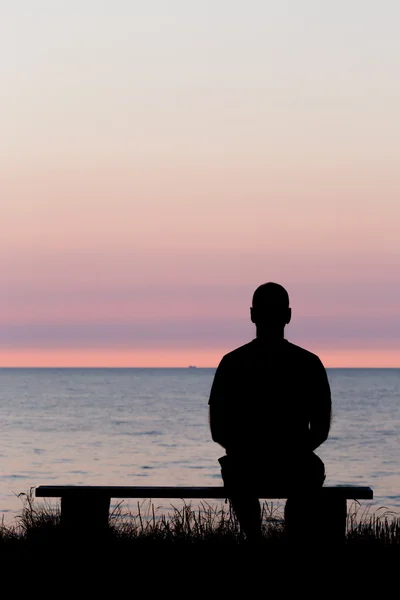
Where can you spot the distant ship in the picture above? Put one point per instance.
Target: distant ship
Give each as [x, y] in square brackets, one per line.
[192, 367]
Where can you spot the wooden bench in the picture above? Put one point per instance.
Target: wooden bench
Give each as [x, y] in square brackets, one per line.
[87, 507]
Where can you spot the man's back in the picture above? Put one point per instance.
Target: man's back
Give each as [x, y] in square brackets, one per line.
[265, 397]
[270, 408]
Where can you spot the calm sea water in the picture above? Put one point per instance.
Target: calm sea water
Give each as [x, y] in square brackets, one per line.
[150, 426]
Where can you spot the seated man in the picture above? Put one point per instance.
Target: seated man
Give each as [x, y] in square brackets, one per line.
[270, 408]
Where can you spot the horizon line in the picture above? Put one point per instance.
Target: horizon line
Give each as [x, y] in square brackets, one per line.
[165, 367]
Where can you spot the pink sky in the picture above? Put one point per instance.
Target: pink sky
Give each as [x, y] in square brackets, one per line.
[156, 166]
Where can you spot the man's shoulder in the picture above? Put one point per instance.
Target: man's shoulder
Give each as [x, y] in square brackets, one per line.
[238, 353]
[302, 353]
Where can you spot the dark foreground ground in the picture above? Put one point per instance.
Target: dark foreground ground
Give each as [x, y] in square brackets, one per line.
[195, 552]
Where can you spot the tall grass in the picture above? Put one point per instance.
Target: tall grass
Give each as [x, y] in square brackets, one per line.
[381, 528]
[203, 524]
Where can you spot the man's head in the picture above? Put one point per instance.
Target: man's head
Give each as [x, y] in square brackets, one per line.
[270, 308]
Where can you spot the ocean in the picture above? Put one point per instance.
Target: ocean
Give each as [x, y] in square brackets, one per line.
[150, 427]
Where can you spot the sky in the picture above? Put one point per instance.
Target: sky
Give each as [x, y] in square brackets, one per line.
[161, 159]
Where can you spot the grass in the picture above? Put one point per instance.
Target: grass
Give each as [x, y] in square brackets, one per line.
[204, 525]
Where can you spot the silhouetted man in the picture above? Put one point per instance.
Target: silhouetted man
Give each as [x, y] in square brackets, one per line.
[270, 408]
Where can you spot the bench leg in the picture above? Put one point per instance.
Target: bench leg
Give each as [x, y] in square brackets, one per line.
[314, 520]
[85, 514]
[335, 517]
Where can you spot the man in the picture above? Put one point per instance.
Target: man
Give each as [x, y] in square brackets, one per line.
[270, 408]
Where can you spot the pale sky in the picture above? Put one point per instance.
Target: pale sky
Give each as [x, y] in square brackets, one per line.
[161, 159]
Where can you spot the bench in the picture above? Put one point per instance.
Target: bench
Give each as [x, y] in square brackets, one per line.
[87, 507]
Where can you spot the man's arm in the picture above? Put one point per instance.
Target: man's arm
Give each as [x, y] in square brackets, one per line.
[321, 408]
[217, 410]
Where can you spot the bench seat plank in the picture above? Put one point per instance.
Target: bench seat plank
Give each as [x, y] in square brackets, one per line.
[189, 492]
